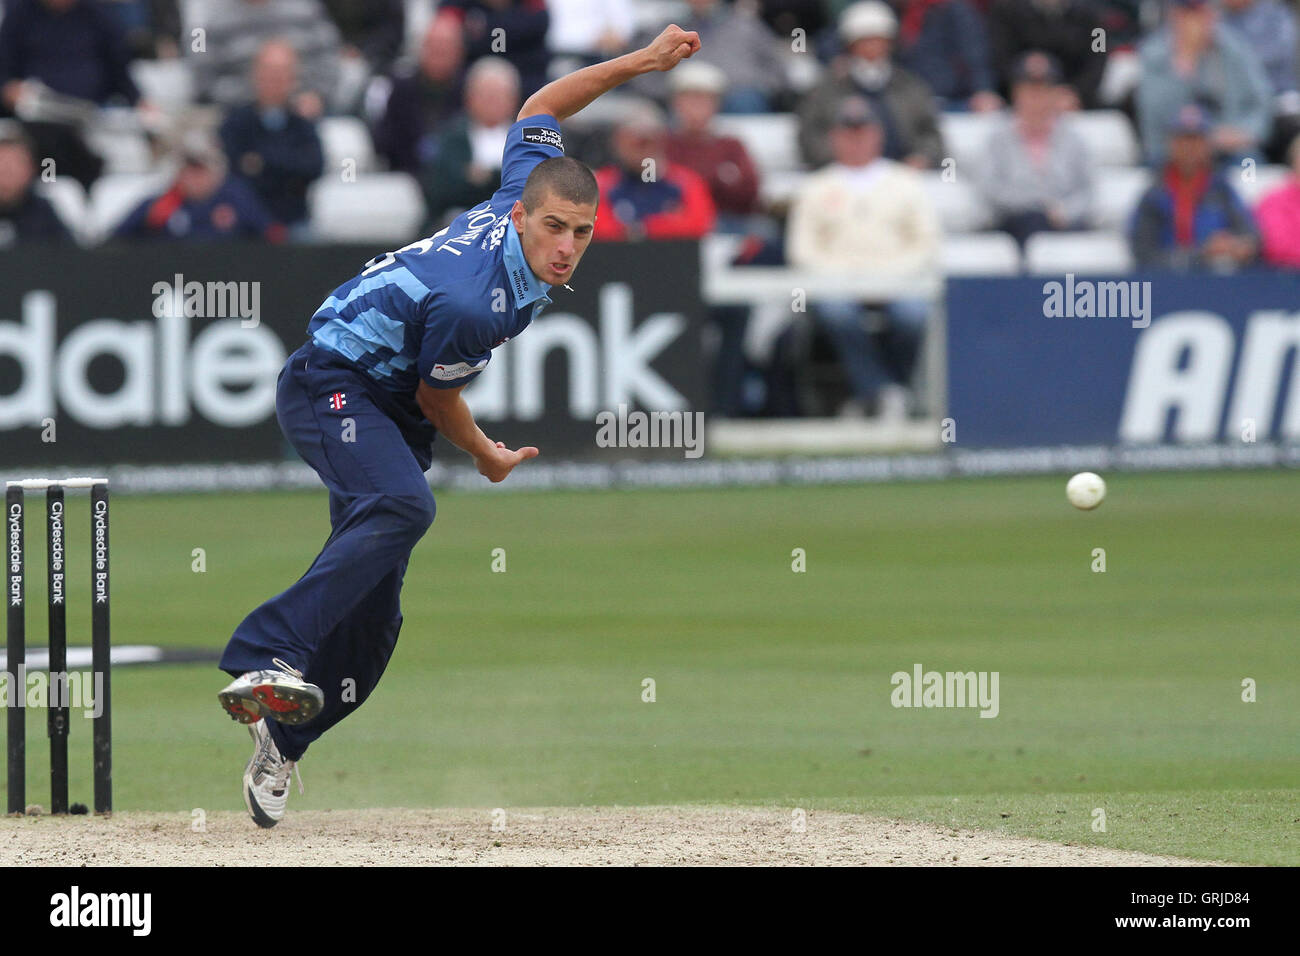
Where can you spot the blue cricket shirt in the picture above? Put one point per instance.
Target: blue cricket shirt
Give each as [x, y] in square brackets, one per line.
[435, 310]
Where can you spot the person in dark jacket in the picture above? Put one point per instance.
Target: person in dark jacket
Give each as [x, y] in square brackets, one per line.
[1192, 217]
[1063, 28]
[514, 29]
[24, 216]
[371, 29]
[202, 203]
[268, 144]
[405, 127]
[68, 48]
[945, 43]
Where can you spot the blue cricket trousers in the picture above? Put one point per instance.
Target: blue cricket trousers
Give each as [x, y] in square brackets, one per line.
[339, 623]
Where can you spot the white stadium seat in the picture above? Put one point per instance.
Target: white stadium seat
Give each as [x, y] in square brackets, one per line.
[966, 137]
[960, 206]
[115, 195]
[1108, 135]
[68, 198]
[1252, 188]
[1115, 194]
[166, 83]
[772, 139]
[377, 207]
[343, 138]
[1095, 253]
[980, 254]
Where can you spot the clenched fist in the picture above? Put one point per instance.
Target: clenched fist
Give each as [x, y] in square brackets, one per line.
[672, 46]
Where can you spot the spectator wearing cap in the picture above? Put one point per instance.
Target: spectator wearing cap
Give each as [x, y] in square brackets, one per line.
[514, 29]
[944, 42]
[1196, 59]
[1192, 217]
[1035, 172]
[236, 29]
[268, 143]
[407, 113]
[24, 216]
[722, 161]
[70, 51]
[1278, 215]
[202, 203]
[738, 42]
[867, 215]
[902, 100]
[464, 166]
[645, 196]
[1269, 28]
[1063, 28]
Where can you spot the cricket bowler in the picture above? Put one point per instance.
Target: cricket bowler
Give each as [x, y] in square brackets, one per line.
[381, 374]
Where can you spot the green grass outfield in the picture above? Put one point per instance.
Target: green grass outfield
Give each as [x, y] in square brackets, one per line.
[1118, 690]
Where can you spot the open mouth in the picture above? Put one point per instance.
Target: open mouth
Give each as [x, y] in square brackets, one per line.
[559, 268]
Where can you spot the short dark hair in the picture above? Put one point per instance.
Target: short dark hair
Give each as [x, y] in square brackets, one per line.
[563, 176]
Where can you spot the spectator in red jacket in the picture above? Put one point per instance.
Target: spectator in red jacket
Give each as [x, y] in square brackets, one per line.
[644, 195]
[721, 160]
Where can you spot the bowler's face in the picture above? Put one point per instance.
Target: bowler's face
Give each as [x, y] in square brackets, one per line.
[554, 236]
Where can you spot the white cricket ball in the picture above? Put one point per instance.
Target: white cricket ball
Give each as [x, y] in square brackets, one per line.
[1086, 490]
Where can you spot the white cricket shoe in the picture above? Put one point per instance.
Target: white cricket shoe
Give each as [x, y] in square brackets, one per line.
[278, 694]
[266, 778]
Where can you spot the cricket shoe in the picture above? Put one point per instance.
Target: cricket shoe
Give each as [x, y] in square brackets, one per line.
[266, 778]
[278, 694]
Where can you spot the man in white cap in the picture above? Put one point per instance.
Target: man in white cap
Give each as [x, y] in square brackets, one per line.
[901, 100]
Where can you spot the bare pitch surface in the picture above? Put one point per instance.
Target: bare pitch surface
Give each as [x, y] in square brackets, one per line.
[603, 836]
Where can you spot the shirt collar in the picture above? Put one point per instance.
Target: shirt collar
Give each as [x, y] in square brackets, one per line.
[527, 288]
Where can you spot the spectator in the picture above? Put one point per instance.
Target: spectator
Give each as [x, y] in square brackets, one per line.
[736, 41]
[24, 216]
[867, 215]
[59, 60]
[643, 195]
[1269, 28]
[944, 43]
[900, 99]
[1035, 172]
[152, 28]
[465, 166]
[515, 29]
[786, 16]
[721, 161]
[372, 30]
[236, 29]
[405, 125]
[1063, 28]
[1192, 217]
[268, 143]
[203, 203]
[584, 32]
[1196, 59]
[1278, 214]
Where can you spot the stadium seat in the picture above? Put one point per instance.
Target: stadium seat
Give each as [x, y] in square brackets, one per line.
[1253, 188]
[68, 198]
[772, 139]
[980, 254]
[1096, 253]
[966, 137]
[117, 137]
[166, 83]
[1109, 137]
[1115, 194]
[343, 138]
[378, 207]
[960, 206]
[114, 196]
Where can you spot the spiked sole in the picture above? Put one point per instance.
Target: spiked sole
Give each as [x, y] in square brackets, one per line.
[288, 705]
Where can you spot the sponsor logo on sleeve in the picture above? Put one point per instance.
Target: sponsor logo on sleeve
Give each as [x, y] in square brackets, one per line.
[543, 136]
[449, 373]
